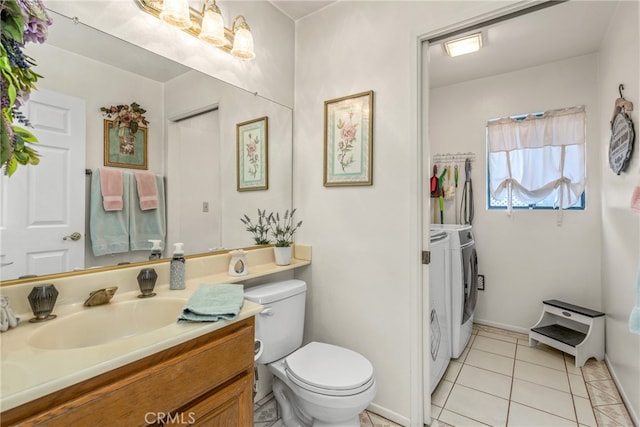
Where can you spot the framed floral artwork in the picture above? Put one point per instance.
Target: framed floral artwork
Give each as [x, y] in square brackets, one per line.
[123, 147]
[252, 141]
[348, 140]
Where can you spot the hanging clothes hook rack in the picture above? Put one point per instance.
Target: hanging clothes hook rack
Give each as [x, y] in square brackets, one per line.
[453, 158]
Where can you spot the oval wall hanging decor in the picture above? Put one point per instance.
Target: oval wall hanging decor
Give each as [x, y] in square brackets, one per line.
[621, 144]
[622, 134]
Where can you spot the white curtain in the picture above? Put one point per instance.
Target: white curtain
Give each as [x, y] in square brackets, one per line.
[530, 158]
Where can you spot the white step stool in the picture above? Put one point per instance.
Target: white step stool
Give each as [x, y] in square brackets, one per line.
[572, 329]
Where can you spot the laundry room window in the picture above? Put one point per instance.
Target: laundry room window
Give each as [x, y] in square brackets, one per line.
[537, 161]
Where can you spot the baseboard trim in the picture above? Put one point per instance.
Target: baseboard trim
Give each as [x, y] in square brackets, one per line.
[627, 403]
[390, 415]
[502, 326]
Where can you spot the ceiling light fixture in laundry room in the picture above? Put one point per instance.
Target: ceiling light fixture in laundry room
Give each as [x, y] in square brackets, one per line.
[463, 45]
[207, 24]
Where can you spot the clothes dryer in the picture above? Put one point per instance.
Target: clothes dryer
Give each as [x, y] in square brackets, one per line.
[464, 283]
[437, 318]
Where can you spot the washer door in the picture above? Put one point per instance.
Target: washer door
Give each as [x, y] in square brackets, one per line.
[470, 266]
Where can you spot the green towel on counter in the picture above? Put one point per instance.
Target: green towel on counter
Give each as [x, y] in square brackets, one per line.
[210, 303]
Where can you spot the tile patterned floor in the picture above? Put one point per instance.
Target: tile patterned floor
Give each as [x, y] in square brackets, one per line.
[500, 381]
[266, 414]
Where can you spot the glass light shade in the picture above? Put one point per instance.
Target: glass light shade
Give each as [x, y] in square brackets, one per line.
[212, 30]
[464, 45]
[176, 13]
[243, 44]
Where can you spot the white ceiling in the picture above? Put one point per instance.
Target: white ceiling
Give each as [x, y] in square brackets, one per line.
[296, 9]
[558, 32]
[566, 30]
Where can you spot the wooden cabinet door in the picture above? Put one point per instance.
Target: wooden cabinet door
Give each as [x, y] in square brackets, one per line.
[229, 406]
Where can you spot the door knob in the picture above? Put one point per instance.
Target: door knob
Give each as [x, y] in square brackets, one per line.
[73, 236]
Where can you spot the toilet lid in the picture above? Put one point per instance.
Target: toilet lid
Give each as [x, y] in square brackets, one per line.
[329, 369]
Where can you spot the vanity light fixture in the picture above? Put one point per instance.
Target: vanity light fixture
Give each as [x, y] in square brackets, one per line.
[207, 24]
[463, 45]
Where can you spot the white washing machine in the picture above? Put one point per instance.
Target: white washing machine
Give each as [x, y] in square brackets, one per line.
[464, 283]
[437, 318]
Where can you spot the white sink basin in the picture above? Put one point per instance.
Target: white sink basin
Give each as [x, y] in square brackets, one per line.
[107, 323]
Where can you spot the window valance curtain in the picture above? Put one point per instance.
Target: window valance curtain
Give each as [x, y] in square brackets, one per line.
[530, 158]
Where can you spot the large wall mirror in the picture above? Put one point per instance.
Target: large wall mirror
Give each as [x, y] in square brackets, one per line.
[191, 142]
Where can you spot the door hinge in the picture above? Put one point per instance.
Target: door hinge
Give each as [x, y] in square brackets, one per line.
[426, 257]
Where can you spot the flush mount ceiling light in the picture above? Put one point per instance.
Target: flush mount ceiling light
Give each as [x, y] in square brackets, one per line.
[207, 24]
[463, 45]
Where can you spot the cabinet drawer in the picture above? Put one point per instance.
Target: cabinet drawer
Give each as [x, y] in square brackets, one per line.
[134, 400]
[576, 317]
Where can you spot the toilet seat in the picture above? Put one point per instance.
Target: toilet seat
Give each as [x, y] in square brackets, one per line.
[328, 369]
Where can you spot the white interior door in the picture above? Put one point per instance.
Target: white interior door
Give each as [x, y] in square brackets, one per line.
[43, 204]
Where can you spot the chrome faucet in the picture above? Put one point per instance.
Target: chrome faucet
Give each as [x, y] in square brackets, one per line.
[101, 296]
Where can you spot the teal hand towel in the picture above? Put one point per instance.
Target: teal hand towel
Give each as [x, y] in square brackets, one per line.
[210, 303]
[109, 230]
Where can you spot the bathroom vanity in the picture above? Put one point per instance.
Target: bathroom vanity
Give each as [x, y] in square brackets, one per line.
[100, 366]
[207, 380]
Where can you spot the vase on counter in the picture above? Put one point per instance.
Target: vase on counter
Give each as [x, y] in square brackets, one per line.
[282, 255]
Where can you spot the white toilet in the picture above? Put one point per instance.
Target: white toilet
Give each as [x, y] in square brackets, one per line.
[318, 384]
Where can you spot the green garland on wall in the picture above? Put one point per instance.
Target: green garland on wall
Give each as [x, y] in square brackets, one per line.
[22, 21]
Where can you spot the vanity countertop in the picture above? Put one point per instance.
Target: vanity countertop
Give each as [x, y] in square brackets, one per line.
[29, 372]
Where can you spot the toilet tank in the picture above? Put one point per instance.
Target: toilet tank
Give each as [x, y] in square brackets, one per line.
[281, 323]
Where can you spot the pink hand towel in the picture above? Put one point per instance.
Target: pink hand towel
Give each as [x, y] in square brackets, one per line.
[635, 199]
[147, 190]
[111, 189]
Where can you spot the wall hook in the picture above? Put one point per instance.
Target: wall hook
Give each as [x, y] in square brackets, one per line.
[620, 89]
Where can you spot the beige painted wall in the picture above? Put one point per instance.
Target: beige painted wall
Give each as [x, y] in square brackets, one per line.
[365, 277]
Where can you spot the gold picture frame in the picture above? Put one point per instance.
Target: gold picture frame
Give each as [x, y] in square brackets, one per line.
[348, 140]
[124, 150]
[252, 153]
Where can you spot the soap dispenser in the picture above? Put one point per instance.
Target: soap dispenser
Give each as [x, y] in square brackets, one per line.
[156, 250]
[177, 268]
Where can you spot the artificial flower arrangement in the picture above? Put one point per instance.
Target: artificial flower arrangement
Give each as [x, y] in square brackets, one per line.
[282, 228]
[126, 117]
[260, 230]
[21, 22]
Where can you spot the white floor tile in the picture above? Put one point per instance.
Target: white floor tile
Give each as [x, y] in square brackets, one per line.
[435, 412]
[457, 420]
[493, 362]
[578, 387]
[441, 393]
[486, 381]
[524, 416]
[497, 336]
[584, 411]
[477, 405]
[541, 356]
[543, 398]
[494, 346]
[541, 375]
[452, 371]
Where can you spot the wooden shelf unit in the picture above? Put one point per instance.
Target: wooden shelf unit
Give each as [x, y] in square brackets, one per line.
[575, 330]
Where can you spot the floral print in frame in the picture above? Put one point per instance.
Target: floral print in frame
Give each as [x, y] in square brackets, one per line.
[348, 140]
[252, 152]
